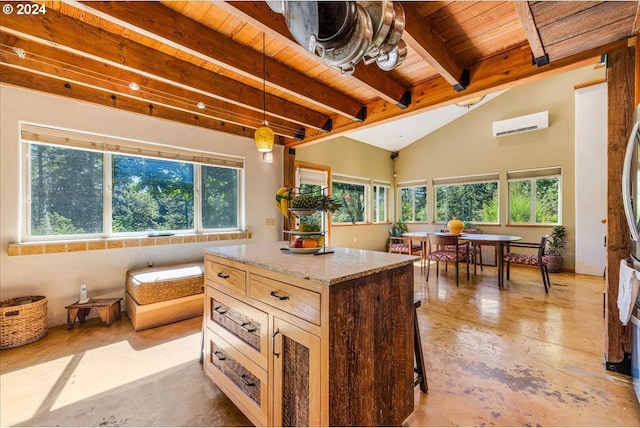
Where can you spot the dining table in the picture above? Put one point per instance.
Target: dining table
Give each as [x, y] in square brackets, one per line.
[497, 240]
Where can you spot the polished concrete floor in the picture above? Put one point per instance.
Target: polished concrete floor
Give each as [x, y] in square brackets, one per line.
[510, 357]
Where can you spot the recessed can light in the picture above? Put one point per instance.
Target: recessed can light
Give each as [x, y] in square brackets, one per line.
[201, 105]
[134, 86]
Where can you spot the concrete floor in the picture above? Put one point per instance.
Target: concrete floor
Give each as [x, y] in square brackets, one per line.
[511, 357]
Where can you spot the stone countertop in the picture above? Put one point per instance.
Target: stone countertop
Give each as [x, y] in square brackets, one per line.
[327, 269]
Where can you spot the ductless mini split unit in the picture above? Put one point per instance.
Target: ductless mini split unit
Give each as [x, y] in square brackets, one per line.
[516, 125]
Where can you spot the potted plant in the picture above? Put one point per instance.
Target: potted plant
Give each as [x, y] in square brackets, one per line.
[555, 248]
[397, 230]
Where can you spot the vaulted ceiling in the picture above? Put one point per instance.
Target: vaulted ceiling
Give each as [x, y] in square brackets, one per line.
[202, 63]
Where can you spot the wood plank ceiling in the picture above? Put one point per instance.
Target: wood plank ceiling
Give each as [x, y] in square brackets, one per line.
[183, 54]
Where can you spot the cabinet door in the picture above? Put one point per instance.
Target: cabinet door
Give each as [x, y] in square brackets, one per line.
[296, 376]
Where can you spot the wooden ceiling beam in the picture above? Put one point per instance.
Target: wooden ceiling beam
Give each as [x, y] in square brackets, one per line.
[63, 31]
[540, 56]
[162, 24]
[421, 38]
[73, 68]
[260, 15]
[569, 34]
[38, 82]
[502, 71]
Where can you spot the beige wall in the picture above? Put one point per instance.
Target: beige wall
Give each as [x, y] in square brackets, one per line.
[59, 276]
[467, 146]
[349, 157]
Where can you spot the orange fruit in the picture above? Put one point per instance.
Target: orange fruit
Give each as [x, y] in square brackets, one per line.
[309, 243]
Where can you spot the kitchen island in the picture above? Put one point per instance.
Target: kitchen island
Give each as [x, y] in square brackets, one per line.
[311, 340]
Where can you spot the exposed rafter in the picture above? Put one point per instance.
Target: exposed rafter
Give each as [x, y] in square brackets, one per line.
[421, 38]
[96, 43]
[79, 70]
[166, 26]
[53, 86]
[540, 57]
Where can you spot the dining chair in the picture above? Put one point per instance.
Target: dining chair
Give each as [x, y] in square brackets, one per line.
[447, 248]
[529, 259]
[403, 244]
[475, 250]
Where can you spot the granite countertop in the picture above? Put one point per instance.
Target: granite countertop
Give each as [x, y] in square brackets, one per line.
[343, 264]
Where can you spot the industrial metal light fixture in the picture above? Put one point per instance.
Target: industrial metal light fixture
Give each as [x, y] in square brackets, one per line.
[264, 135]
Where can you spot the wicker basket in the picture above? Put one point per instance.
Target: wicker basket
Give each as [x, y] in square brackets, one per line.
[22, 320]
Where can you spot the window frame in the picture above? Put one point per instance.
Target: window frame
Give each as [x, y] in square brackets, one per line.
[412, 185]
[375, 202]
[366, 195]
[461, 181]
[532, 175]
[108, 147]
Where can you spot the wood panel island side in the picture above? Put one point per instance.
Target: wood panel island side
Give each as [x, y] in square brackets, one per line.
[304, 340]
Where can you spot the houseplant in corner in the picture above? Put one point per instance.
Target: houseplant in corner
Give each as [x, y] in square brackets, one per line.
[555, 248]
[397, 230]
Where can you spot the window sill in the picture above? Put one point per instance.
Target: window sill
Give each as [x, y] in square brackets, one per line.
[531, 225]
[51, 247]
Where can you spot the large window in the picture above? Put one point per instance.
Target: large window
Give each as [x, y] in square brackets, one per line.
[413, 202]
[352, 194]
[352, 197]
[473, 199]
[380, 202]
[66, 196]
[151, 195]
[220, 197]
[534, 196]
[72, 191]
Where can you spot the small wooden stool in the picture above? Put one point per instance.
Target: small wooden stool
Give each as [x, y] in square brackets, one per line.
[421, 377]
[109, 310]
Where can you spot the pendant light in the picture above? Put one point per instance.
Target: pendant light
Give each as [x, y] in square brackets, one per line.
[264, 135]
[470, 102]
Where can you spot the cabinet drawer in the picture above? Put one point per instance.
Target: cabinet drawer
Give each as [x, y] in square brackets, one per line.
[227, 276]
[297, 301]
[245, 383]
[243, 326]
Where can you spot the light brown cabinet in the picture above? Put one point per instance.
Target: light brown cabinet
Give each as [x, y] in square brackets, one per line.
[293, 350]
[296, 376]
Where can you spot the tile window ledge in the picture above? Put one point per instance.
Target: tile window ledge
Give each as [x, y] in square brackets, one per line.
[51, 247]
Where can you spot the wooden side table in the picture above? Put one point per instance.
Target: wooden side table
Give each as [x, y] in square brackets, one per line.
[109, 310]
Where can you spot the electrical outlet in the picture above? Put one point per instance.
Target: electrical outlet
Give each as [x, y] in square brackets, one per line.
[270, 222]
[354, 239]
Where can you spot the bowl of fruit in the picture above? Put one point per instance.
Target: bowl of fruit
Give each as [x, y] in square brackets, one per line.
[306, 245]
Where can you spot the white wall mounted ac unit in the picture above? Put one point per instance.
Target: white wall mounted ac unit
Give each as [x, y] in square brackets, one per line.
[516, 125]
